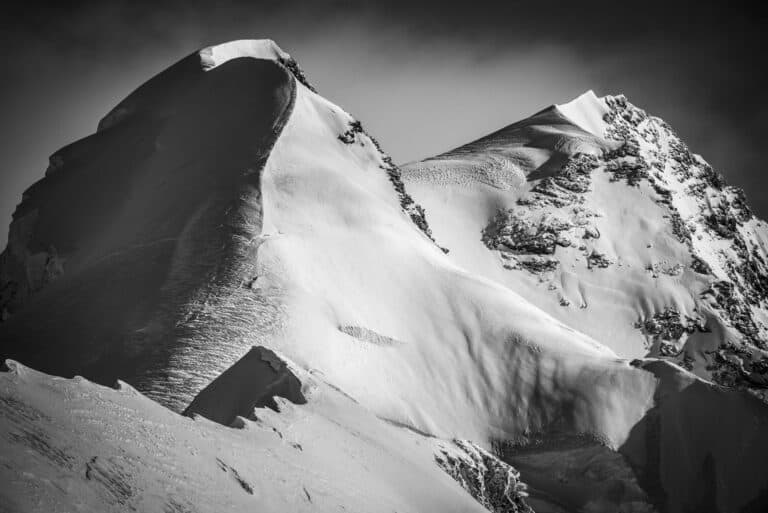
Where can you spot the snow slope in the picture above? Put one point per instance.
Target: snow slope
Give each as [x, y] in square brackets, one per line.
[225, 204]
[71, 445]
[597, 213]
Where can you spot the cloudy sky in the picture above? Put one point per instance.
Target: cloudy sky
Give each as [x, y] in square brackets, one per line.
[422, 76]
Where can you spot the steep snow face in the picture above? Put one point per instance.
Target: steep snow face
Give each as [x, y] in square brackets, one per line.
[373, 304]
[136, 251]
[616, 229]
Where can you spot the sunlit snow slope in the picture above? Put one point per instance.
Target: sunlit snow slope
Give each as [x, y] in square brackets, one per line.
[143, 457]
[225, 204]
[599, 214]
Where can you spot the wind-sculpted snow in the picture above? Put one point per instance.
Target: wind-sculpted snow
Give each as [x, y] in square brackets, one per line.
[216, 55]
[72, 445]
[136, 256]
[225, 205]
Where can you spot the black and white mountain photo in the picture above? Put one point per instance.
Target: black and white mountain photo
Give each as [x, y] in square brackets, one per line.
[531, 276]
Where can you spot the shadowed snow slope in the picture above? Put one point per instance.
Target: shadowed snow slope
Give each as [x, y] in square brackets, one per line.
[143, 233]
[225, 204]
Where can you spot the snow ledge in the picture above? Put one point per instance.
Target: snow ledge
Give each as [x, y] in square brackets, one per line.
[216, 55]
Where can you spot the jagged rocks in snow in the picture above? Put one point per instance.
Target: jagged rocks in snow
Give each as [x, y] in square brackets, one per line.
[413, 209]
[702, 210]
[537, 264]
[493, 483]
[575, 174]
[632, 172]
[292, 66]
[566, 186]
[597, 259]
[508, 232]
[668, 328]
[699, 265]
[350, 134]
[636, 180]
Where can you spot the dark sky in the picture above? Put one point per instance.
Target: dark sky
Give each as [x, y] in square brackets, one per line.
[422, 76]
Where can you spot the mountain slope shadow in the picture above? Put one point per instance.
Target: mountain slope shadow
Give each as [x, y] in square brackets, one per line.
[701, 448]
[150, 220]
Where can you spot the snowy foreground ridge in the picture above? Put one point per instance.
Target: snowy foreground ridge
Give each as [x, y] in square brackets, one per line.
[264, 313]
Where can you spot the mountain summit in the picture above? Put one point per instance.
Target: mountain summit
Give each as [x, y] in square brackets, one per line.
[554, 317]
[605, 219]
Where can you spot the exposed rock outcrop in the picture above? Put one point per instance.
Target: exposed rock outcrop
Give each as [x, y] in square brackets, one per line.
[492, 482]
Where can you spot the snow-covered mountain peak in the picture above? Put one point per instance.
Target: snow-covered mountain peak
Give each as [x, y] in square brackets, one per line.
[603, 216]
[588, 112]
[229, 235]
